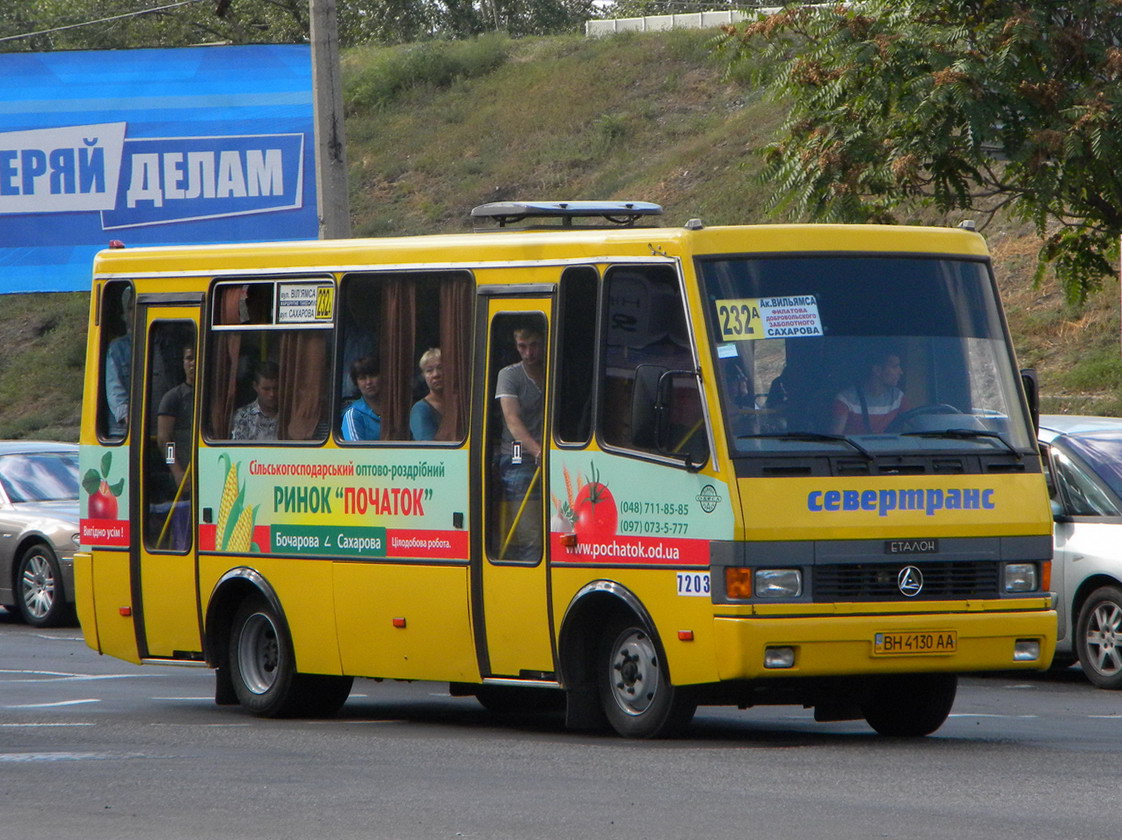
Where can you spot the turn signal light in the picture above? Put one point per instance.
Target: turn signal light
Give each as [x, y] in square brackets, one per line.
[738, 582]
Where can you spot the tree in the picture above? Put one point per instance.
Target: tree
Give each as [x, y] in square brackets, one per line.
[979, 105]
[177, 23]
[129, 24]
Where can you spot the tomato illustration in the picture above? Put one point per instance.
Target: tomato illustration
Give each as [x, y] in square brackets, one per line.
[103, 504]
[595, 512]
[103, 495]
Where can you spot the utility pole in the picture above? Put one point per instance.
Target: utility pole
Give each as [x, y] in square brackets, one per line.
[331, 148]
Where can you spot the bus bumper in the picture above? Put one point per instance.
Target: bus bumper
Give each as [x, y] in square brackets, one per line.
[757, 647]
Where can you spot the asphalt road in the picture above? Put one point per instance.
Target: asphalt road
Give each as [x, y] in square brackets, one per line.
[94, 748]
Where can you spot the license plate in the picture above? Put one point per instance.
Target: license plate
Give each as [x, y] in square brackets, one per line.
[908, 644]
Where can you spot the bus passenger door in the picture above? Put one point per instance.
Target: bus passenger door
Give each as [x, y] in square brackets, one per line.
[511, 574]
[164, 580]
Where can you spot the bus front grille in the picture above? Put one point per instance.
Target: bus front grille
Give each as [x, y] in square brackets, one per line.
[881, 581]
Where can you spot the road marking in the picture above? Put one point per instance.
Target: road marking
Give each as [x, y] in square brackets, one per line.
[980, 715]
[177, 699]
[22, 757]
[52, 705]
[17, 725]
[63, 676]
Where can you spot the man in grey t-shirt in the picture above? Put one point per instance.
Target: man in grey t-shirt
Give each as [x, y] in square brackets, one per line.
[520, 390]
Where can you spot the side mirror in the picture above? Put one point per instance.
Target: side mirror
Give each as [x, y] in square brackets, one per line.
[667, 415]
[1032, 393]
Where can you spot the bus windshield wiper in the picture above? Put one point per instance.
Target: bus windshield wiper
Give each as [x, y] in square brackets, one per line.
[811, 436]
[965, 434]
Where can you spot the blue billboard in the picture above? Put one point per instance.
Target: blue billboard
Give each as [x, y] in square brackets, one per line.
[150, 147]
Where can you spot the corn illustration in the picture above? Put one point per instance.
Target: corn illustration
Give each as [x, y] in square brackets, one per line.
[241, 538]
[229, 493]
[230, 507]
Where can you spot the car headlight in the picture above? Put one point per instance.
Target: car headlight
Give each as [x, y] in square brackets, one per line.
[1021, 577]
[779, 583]
[76, 539]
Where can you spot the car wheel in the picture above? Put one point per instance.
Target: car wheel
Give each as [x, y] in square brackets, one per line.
[910, 706]
[39, 591]
[1098, 637]
[635, 689]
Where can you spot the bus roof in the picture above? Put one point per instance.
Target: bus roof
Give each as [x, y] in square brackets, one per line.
[561, 245]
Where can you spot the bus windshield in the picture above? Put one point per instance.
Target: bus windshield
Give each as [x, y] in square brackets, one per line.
[862, 354]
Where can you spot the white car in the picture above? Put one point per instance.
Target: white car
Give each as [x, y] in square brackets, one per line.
[1083, 458]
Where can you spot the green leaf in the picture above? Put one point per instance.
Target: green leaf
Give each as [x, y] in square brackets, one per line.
[106, 463]
[91, 482]
[116, 489]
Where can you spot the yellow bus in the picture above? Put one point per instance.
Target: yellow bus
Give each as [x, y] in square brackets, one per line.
[570, 459]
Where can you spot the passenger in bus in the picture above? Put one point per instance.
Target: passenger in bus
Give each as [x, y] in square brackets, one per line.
[174, 421]
[362, 419]
[259, 419]
[520, 392]
[424, 418]
[174, 418]
[873, 403]
[118, 370]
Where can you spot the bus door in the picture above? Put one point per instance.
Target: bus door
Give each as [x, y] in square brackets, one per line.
[164, 579]
[510, 573]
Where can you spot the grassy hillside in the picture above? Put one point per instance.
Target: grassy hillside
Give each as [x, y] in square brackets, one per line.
[433, 131]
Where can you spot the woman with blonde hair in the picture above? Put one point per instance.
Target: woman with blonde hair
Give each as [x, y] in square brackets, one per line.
[424, 418]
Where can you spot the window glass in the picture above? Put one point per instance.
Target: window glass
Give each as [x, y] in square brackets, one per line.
[404, 357]
[270, 354]
[1082, 496]
[116, 326]
[170, 416]
[40, 476]
[576, 346]
[649, 393]
[896, 352]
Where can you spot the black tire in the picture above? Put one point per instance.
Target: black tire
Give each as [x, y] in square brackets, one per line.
[635, 689]
[40, 595]
[1098, 637]
[911, 705]
[263, 668]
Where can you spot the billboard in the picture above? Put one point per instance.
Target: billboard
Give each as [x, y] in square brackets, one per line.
[150, 147]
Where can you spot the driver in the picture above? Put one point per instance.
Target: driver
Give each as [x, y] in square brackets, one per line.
[873, 403]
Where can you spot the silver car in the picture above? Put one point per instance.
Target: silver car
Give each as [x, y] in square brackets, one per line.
[38, 530]
[1084, 460]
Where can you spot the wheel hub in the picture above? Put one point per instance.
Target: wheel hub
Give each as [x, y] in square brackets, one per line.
[1104, 634]
[38, 587]
[635, 673]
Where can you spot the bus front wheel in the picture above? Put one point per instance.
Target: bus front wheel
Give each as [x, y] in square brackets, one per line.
[635, 689]
[263, 669]
[911, 705]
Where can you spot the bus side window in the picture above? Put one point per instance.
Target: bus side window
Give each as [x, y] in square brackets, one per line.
[116, 360]
[576, 357]
[389, 324]
[261, 383]
[647, 359]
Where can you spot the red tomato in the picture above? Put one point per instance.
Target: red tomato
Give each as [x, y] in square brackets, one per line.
[595, 510]
[103, 504]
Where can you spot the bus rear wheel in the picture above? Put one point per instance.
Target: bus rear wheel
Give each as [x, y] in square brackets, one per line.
[911, 705]
[263, 668]
[635, 689]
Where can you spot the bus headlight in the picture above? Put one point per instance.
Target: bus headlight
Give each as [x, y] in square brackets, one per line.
[779, 583]
[1021, 577]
